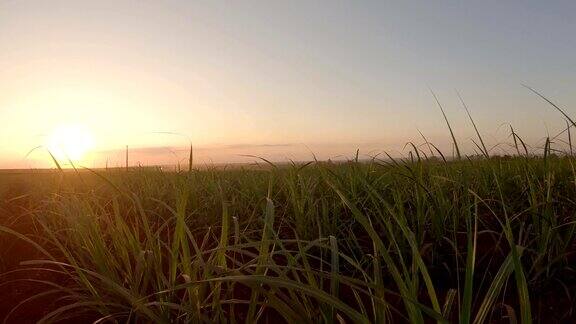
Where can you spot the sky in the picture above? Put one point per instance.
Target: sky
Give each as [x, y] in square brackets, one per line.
[277, 79]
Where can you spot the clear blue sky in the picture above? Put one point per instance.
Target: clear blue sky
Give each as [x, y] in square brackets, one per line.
[278, 78]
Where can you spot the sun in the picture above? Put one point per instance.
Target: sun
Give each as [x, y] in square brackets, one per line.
[70, 142]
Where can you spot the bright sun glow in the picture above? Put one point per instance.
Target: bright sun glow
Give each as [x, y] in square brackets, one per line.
[70, 142]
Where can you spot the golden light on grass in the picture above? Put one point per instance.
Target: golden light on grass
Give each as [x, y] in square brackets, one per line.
[70, 142]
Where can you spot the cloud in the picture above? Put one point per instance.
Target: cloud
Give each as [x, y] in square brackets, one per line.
[151, 150]
[178, 149]
[245, 146]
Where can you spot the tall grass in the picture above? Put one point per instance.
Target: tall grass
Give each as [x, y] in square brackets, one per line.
[470, 240]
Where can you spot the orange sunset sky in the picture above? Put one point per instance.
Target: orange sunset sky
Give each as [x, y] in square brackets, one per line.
[276, 79]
